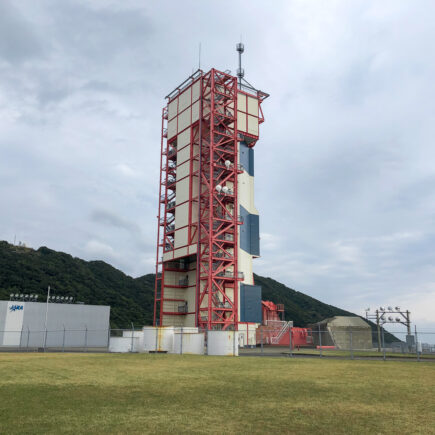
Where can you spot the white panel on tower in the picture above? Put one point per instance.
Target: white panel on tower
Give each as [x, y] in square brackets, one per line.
[172, 128]
[253, 125]
[172, 109]
[195, 90]
[182, 172]
[181, 237]
[181, 215]
[195, 112]
[182, 190]
[241, 121]
[253, 106]
[184, 119]
[241, 102]
[183, 139]
[184, 99]
[183, 154]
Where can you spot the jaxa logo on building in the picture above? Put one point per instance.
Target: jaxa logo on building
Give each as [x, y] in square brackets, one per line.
[16, 307]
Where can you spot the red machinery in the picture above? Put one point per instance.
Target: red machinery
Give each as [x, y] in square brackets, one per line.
[275, 330]
[301, 337]
[272, 311]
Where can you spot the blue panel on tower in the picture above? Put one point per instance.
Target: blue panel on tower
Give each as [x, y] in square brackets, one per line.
[250, 232]
[246, 156]
[254, 226]
[250, 303]
[245, 232]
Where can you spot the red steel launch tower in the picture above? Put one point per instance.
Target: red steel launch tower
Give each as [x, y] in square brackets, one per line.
[209, 125]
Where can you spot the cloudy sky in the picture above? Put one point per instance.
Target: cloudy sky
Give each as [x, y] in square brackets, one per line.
[345, 178]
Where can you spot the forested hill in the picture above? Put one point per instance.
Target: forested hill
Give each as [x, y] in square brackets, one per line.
[24, 270]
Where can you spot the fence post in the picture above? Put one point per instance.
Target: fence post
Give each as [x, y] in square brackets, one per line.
[86, 338]
[416, 343]
[21, 336]
[28, 338]
[290, 341]
[157, 338]
[206, 332]
[132, 337]
[234, 342]
[63, 339]
[181, 342]
[351, 344]
[108, 338]
[383, 344]
[261, 340]
[320, 342]
[45, 337]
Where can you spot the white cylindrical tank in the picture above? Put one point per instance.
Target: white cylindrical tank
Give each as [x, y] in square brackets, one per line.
[223, 343]
[123, 344]
[192, 343]
[157, 339]
[129, 333]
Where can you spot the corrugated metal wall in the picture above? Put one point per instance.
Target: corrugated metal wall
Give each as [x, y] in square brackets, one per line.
[84, 324]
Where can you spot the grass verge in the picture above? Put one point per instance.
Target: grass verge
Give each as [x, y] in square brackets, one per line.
[141, 393]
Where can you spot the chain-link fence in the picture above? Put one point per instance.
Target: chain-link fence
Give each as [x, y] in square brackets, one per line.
[351, 343]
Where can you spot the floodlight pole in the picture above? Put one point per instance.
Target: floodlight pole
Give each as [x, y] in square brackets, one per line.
[380, 315]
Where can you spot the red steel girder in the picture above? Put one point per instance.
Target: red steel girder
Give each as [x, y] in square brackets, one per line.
[218, 277]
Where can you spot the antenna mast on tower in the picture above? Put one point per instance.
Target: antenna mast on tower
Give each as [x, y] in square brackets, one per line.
[240, 71]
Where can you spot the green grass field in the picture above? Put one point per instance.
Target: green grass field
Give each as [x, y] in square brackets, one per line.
[357, 353]
[133, 393]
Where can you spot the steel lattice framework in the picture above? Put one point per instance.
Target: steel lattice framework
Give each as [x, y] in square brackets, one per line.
[217, 292]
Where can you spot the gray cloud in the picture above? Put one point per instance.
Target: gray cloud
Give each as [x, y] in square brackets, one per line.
[18, 40]
[344, 170]
[107, 218]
